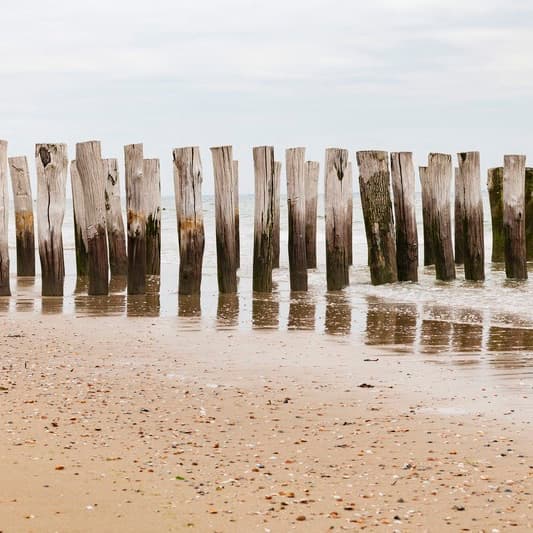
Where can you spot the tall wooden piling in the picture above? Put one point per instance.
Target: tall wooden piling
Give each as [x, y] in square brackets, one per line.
[236, 211]
[374, 185]
[429, 257]
[276, 214]
[348, 204]
[403, 189]
[295, 165]
[116, 237]
[80, 226]
[152, 180]
[225, 218]
[471, 215]
[337, 271]
[495, 188]
[24, 226]
[458, 219]
[439, 175]
[529, 213]
[5, 289]
[264, 171]
[136, 209]
[91, 171]
[312, 169]
[514, 216]
[51, 164]
[190, 218]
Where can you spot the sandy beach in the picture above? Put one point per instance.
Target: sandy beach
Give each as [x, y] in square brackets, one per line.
[122, 424]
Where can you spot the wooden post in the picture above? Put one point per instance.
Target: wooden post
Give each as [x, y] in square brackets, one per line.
[312, 169]
[514, 216]
[91, 171]
[276, 214]
[5, 289]
[264, 219]
[118, 257]
[136, 208]
[225, 218]
[295, 165]
[458, 219]
[529, 213]
[439, 174]
[190, 218]
[20, 180]
[495, 188]
[236, 210]
[152, 180]
[348, 199]
[51, 164]
[429, 257]
[403, 188]
[374, 185]
[471, 215]
[80, 223]
[337, 272]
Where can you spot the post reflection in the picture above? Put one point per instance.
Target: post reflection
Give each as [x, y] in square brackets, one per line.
[227, 311]
[338, 319]
[301, 312]
[51, 305]
[189, 306]
[467, 335]
[265, 311]
[391, 323]
[436, 329]
[25, 294]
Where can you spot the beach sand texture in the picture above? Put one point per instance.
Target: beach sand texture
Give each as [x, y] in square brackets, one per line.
[129, 424]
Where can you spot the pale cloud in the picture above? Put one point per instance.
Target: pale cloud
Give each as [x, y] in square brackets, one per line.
[398, 74]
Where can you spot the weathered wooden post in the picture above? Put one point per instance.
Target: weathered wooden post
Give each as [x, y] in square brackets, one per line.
[276, 212]
[529, 213]
[225, 218]
[514, 216]
[458, 219]
[348, 202]
[439, 174]
[136, 209]
[51, 164]
[236, 210]
[312, 169]
[22, 197]
[337, 271]
[429, 257]
[495, 188]
[374, 184]
[264, 172]
[151, 175]
[295, 165]
[118, 257]
[403, 189]
[471, 215]
[5, 289]
[80, 225]
[91, 171]
[190, 218]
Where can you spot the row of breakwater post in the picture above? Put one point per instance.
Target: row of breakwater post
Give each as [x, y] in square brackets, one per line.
[106, 246]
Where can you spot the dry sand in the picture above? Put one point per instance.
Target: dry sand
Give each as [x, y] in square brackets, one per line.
[115, 424]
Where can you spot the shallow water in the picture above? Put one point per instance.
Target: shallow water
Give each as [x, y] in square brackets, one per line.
[486, 327]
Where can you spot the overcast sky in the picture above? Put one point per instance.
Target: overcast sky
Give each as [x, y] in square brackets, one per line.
[418, 75]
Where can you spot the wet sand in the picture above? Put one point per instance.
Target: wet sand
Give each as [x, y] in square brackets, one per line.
[129, 424]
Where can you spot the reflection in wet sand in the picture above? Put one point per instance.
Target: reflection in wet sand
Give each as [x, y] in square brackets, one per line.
[390, 323]
[227, 311]
[301, 312]
[467, 333]
[265, 311]
[51, 305]
[189, 306]
[118, 284]
[436, 329]
[24, 299]
[338, 319]
[4, 304]
[503, 339]
[85, 305]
